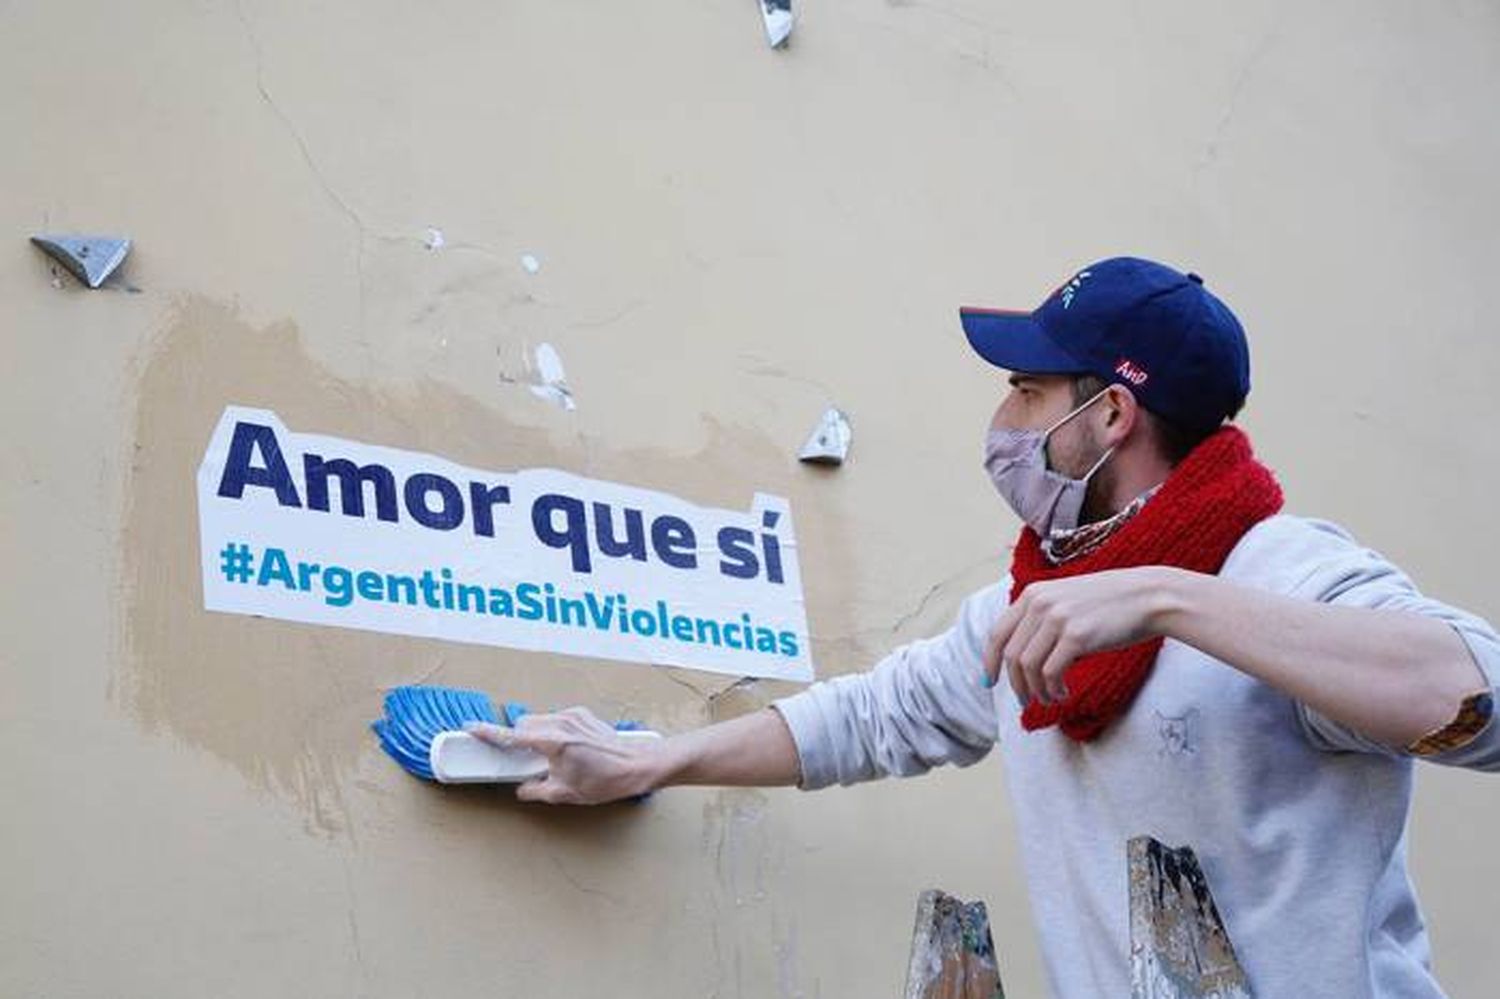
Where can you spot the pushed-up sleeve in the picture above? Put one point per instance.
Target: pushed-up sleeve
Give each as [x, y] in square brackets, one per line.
[920, 707]
[1352, 576]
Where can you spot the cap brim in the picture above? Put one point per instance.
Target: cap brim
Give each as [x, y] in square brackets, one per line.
[1014, 341]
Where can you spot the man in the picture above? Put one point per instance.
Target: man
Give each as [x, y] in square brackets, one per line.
[1169, 656]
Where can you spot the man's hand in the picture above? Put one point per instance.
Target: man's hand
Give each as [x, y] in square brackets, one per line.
[1055, 623]
[587, 761]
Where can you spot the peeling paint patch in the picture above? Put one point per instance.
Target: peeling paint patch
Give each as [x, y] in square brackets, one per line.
[553, 385]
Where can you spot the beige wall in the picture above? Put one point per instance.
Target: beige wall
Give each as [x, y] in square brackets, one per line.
[730, 238]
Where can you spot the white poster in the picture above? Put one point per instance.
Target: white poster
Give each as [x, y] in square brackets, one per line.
[329, 531]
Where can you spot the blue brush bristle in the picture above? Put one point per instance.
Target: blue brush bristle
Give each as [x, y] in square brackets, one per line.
[416, 715]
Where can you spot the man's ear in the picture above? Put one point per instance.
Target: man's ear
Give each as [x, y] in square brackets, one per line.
[1121, 414]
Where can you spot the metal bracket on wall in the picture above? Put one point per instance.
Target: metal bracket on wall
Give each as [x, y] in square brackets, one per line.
[90, 259]
[828, 444]
[778, 15]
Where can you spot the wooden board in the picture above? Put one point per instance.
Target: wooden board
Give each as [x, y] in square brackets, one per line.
[1179, 948]
[952, 952]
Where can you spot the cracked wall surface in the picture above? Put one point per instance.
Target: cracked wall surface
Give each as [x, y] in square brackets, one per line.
[727, 240]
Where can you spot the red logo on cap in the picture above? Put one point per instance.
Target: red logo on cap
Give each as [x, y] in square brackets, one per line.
[1131, 372]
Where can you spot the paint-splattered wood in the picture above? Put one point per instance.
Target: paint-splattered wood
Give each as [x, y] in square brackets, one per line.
[1179, 948]
[952, 952]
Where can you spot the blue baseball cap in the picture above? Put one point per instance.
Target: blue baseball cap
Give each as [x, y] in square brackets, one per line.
[1134, 322]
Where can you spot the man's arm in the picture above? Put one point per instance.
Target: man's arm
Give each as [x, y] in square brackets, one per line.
[1393, 675]
[1392, 672]
[589, 764]
[753, 751]
[920, 707]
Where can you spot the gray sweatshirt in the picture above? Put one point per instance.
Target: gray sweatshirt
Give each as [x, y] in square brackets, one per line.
[1298, 822]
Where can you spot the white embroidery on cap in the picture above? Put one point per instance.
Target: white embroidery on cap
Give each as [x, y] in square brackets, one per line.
[1071, 288]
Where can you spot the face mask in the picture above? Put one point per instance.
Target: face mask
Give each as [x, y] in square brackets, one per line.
[1017, 462]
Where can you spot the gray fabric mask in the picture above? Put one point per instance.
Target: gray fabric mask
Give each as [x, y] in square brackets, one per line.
[1047, 501]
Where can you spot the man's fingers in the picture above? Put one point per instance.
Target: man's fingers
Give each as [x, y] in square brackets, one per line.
[1030, 660]
[585, 722]
[1021, 637]
[495, 735]
[545, 791]
[1052, 671]
[1017, 683]
[993, 660]
[580, 714]
[562, 724]
[539, 736]
[989, 662]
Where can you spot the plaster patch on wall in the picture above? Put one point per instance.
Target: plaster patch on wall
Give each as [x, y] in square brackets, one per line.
[734, 827]
[747, 851]
[286, 704]
[787, 959]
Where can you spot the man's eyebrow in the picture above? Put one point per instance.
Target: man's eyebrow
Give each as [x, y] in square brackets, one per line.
[1017, 380]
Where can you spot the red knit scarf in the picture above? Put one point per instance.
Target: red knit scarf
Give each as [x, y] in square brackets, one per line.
[1213, 496]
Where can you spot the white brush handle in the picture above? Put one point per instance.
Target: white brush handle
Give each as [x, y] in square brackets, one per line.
[461, 758]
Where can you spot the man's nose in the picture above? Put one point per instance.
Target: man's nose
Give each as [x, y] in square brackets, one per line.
[1002, 420]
